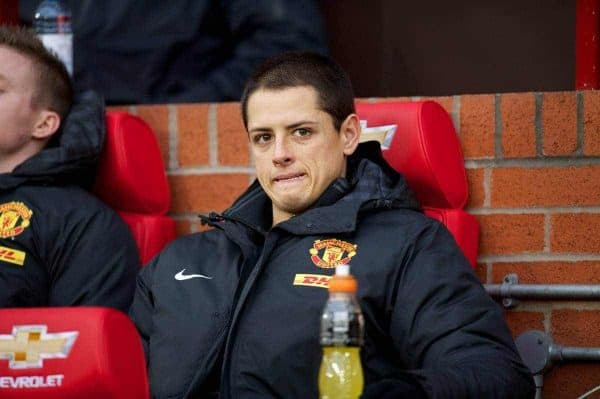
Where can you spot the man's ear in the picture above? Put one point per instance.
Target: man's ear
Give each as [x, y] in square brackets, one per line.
[46, 125]
[350, 131]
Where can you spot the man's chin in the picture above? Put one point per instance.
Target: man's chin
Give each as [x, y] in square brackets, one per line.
[291, 206]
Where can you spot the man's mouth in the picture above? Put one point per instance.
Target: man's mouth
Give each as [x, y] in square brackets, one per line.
[289, 177]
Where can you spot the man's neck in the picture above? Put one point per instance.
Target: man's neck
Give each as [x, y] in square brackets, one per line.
[8, 162]
[280, 216]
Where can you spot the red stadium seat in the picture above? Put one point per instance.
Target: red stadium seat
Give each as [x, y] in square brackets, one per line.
[131, 179]
[426, 150]
[70, 353]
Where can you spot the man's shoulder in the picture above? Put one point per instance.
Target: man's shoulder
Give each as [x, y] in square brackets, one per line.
[66, 203]
[406, 217]
[206, 251]
[204, 242]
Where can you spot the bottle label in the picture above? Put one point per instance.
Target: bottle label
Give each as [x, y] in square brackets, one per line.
[62, 45]
[343, 330]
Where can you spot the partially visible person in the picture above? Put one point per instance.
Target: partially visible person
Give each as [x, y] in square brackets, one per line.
[182, 50]
[227, 313]
[59, 245]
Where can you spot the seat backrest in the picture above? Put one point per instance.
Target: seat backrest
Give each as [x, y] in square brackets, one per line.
[73, 352]
[426, 150]
[131, 179]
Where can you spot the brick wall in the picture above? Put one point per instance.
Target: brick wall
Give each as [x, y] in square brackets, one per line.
[533, 162]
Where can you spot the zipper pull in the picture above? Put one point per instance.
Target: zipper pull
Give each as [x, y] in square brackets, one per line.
[211, 219]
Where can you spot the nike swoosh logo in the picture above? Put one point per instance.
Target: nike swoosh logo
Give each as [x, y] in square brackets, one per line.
[180, 276]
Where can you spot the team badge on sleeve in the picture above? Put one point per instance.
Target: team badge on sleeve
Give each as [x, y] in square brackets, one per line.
[331, 252]
[14, 218]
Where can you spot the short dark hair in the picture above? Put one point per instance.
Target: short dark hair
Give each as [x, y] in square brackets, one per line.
[294, 69]
[54, 89]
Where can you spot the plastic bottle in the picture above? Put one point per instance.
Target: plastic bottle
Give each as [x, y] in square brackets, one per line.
[342, 330]
[52, 23]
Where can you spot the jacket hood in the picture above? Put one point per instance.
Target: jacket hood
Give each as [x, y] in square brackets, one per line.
[74, 154]
[370, 184]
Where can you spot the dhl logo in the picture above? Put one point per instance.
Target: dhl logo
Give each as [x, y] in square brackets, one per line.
[312, 280]
[12, 256]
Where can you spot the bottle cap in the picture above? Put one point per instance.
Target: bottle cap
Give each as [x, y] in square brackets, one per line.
[342, 270]
[342, 280]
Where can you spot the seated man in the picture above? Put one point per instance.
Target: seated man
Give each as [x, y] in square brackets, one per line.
[59, 245]
[219, 312]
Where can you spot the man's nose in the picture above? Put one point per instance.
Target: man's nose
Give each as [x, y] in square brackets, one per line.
[282, 154]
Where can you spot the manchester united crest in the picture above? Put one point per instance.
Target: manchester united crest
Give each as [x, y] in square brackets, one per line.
[331, 252]
[14, 218]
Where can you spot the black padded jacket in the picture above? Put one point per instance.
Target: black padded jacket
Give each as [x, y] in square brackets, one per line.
[59, 245]
[235, 311]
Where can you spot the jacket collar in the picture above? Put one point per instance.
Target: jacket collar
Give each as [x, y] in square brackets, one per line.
[371, 184]
[74, 158]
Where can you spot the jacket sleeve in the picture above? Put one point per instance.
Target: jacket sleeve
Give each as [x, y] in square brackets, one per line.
[94, 263]
[142, 308]
[449, 333]
[258, 30]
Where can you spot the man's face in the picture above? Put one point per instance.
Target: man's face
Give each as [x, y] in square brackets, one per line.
[17, 88]
[297, 150]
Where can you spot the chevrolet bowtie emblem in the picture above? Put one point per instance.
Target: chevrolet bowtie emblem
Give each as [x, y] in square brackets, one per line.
[29, 345]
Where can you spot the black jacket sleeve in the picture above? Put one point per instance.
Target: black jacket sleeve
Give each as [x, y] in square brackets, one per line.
[142, 307]
[94, 262]
[447, 329]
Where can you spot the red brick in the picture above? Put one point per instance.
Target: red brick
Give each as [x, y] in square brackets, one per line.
[591, 122]
[476, 193]
[572, 327]
[192, 134]
[232, 136]
[510, 234]
[559, 123]
[519, 322]
[577, 232]
[157, 116]
[518, 125]
[199, 227]
[481, 271]
[571, 380]
[205, 193]
[582, 272]
[118, 108]
[477, 125]
[551, 186]
[183, 227]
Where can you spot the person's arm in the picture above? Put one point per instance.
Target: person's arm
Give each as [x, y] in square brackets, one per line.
[142, 306]
[259, 30]
[448, 330]
[94, 262]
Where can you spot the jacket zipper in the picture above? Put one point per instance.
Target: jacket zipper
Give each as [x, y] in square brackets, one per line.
[268, 247]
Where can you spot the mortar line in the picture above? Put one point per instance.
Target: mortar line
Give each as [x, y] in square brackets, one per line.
[173, 140]
[539, 132]
[498, 128]
[580, 125]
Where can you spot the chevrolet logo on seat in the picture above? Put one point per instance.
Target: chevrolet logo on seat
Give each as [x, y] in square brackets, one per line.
[29, 345]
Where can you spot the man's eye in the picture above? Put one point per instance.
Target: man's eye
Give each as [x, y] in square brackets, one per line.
[261, 138]
[302, 132]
